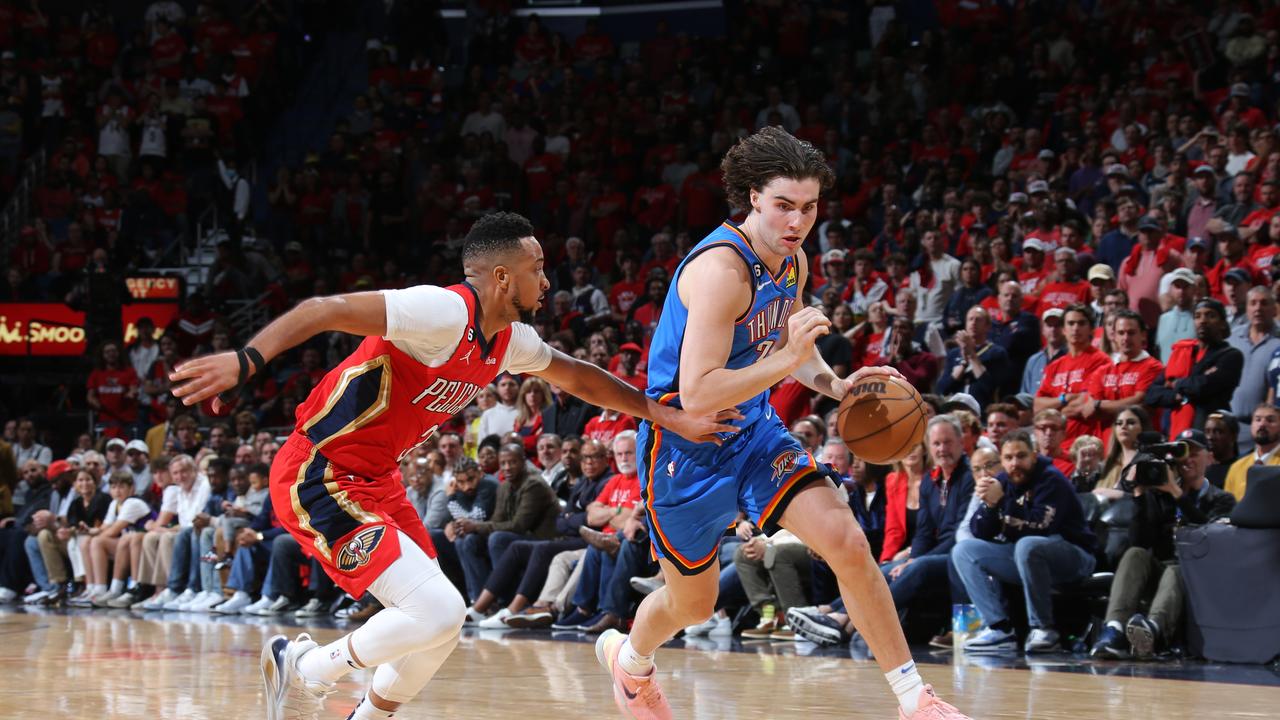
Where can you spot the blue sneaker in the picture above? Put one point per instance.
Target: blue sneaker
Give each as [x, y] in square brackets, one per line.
[290, 696]
[1111, 645]
[570, 620]
[990, 640]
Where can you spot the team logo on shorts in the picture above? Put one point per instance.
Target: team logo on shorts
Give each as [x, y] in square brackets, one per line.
[359, 550]
[785, 464]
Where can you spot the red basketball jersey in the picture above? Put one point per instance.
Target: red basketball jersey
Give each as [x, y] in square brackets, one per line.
[380, 403]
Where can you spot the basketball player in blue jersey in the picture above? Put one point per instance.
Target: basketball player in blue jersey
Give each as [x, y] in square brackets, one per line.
[733, 326]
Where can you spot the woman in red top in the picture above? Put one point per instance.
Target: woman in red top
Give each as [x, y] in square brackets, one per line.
[535, 396]
[902, 503]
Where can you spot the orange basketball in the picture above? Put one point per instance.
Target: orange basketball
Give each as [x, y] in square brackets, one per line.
[882, 419]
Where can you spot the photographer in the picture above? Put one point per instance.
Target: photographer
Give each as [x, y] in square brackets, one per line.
[1149, 568]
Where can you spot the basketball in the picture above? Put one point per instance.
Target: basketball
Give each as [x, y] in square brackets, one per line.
[881, 419]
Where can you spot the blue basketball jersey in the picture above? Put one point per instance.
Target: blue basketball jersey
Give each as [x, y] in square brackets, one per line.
[755, 333]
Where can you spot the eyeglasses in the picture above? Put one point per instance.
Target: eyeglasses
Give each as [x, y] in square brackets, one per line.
[1125, 422]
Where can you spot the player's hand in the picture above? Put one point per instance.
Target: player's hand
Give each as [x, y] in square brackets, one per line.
[803, 330]
[864, 373]
[702, 428]
[204, 377]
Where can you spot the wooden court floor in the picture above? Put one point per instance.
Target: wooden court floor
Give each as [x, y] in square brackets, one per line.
[114, 665]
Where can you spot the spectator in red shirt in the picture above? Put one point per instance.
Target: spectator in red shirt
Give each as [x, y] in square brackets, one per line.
[113, 392]
[626, 290]
[1050, 430]
[167, 50]
[1067, 379]
[1231, 251]
[628, 368]
[1064, 287]
[606, 426]
[1125, 381]
[1031, 270]
[592, 45]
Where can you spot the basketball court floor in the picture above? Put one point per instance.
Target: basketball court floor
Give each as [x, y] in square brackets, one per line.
[97, 664]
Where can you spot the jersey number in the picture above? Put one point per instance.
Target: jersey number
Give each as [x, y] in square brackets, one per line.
[763, 349]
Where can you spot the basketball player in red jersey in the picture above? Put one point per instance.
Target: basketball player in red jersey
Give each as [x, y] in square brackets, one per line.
[334, 485]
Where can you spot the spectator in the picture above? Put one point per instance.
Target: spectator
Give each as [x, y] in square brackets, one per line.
[524, 507]
[1102, 279]
[974, 366]
[917, 365]
[535, 397]
[1050, 435]
[1265, 430]
[628, 370]
[1002, 418]
[27, 449]
[1257, 343]
[944, 496]
[1122, 383]
[107, 542]
[773, 571]
[1151, 563]
[1029, 531]
[1064, 286]
[1201, 374]
[1221, 430]
[969, 292]
[1055, 346]
[166, 550]
[1014, 329]
[1177, 323]
[1086, 456]
[499, 419]
[113, 392]
[1139, 275]
[1066, 380]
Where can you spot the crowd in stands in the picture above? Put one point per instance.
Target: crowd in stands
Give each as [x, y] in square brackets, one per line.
[1059, 226]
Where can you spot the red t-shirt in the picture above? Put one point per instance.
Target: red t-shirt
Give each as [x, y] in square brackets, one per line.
[167, 52]
[639, 381]
[1262, 256]
[1071, 375]
[111, 387]
[1123, 379]
[620, 491]
[1061, 294]
[624, 294]
[605, 429]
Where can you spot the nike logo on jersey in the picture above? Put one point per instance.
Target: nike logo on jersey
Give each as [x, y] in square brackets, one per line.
[762, 286]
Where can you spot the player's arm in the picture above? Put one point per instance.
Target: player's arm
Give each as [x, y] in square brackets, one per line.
[363, 314]
[716, 288]
[815, 373]
[590, 383]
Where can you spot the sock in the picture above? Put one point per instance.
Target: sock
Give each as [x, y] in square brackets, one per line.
[117, 586]
[96, 589]
[633, 662]
[327, 663]
[132, 584]
[906, 684]
[1115, 625]
[1003, 626]
[368, 711]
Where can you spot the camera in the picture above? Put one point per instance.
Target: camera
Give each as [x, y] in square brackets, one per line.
[1151, 464]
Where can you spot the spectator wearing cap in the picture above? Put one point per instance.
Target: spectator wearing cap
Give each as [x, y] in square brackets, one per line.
[1231, 256]
[1236, 284]
[1148, 571]
[629, 366]
[1147, 263]
[1258, 341]
[1242, 204]
[1201, 373]
[115, 457]
[1177, 323]
[1066, 380]
[1204, 202]
[975, 365]
[1116, 245]
[1031, 266]
[1055, 345]
[1264, 430]
[1124, 381]
[834, 272]
[1064, 287]
[1102, 279]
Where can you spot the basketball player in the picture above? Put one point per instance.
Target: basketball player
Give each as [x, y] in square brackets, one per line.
[720, 340]
[427, 352]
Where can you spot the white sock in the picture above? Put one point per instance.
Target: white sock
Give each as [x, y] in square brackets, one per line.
[906, 684]
[96, 589]
[117, 586]
[368, 711]
[633, 662]
[327, 663]
[1115, 625]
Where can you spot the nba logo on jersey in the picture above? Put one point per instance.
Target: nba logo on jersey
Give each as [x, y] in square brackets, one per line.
[356, 552]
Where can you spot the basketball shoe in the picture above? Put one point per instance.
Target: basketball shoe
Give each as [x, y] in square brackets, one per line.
[639, 698]
[290, 696]
[931, 708]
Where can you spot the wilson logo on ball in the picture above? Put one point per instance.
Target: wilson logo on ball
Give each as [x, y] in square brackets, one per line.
[867, 388]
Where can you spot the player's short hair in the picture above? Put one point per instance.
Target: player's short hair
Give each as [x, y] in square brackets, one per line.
[771, 153]
[495, 233]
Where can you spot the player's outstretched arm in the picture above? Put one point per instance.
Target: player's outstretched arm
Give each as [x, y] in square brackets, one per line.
[586, 381]
[357, 313]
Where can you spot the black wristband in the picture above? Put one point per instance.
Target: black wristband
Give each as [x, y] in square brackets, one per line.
[243, 357]
[256, 358]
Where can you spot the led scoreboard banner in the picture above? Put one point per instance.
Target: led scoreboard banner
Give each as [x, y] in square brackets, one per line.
[55, 329]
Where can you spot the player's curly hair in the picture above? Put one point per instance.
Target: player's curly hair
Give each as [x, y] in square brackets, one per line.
[768, 154]
[495, 233]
